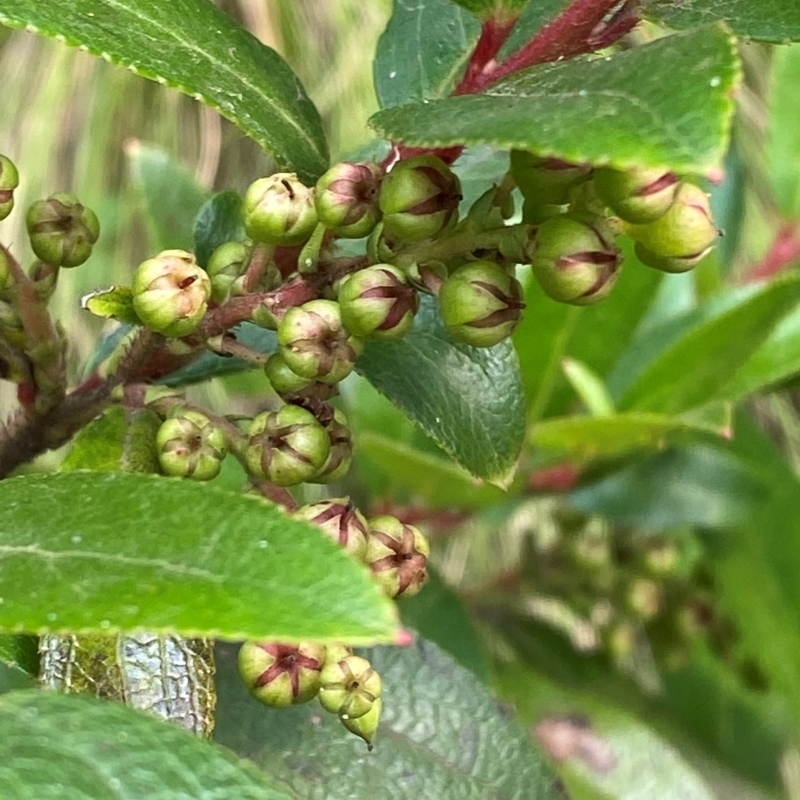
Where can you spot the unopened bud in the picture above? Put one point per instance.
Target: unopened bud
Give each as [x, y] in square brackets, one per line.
[281, 675]
[189, 445]
[279, 210]
[349, 687]
[346, 199]
[62, 231]
[9, 180]
[397, 554]
[340, 520]
[227, 263]
[636, 195]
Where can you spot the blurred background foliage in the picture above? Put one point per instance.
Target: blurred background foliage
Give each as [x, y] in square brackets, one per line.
[604, 597]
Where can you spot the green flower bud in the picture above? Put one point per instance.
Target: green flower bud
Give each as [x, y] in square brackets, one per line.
[636, 195]
[575, 259]
[643, 598]
[341, 455]
[171, 293]
[44, 278]
[279, 210]
[340, 520]
[287, 446]
[366, 726]
[419, 198]
[346, 199]
[378, 301]
[61, 230]
[281, 675]
[671, 264]
[283, 380]
[189, 445]
[481, 304]
[315, 344]
[349, 687]
[5, 270]
[687, 230]
[661, 558]
[9, 180]
[397, 554]
[336, 652]
[545, 182]
[227, 263]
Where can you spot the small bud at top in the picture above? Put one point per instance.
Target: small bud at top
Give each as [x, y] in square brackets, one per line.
[62, 231]
[171, 293]
[279, 210]
[281, 675]
[397, 554]
[346, 199]
[189, 445]
[9, 180]
[339, 519]
[636, 195]
[419, 198]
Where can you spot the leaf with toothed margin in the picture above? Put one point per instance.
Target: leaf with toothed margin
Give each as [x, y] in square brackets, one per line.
[193, 46]
[87, 551]
[610, 110]
[468, 400]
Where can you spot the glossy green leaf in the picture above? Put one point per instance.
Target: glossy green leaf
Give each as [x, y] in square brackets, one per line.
[441, 735]
[170, 196]
[423, 51]
[584, 439]
[193, 46]
[13, 678]
[783, 134]
[468, 400]
[605, 111]
[609, 755]
[535, 15]
[695, 368]
[589, 386]
[115, 303]
[81, 747]
[697, 485]
[112, 552]
[217, 222]
[770, 20]
[595, 335]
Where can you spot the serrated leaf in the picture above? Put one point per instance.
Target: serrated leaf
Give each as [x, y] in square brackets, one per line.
[87, 551]
[695, 368]
[468, 400]
[770, 20]
[783, 136]
[423, 51]
[217, 222]
[171, 196]
[81, 747]
[441, 735]
[611, 110]
[114, 303]
[193, 46]
[584, 439]
[613, 756]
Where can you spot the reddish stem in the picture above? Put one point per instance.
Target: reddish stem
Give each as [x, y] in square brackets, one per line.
[493, 36]
[784, 251]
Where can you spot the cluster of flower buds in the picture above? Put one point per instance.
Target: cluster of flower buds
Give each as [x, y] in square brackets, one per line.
[190, 445]
[281, 675]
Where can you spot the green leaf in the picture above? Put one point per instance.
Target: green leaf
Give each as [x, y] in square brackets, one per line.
[441, 735]
[170, 195]
[612, 110]
[468, 400]
[697, 485]
[193, 46]
[534, 16]
[89, 551]
[423, 51]
[20, 652]
[613, 756]
[783, 137]
[13, 678]
[114, 303]
[81, 747]
[589, 386]
[217, 222]
[584, 439]
[770, 20]
[497, 9]
[695, 368]
[439, 616]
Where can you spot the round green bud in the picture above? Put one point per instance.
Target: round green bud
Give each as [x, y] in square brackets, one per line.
[227, 263]
[279, 210]
[636, 195]
[61, 230]
[171, 293]
[284, 381]
[346, 199]
[481, 304]
[419, 198]
[9, 180]
[378, 301]
[545, 182]
[643, 598]
[575, 259]
[397, 554]
[287, 447]
[349, 687]
[315, 344]
[189, 445]
[366, 726]
[340, 520]
[671, 264]
[281, 675]
[686, 230]
[338, 462]
[5, 270]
